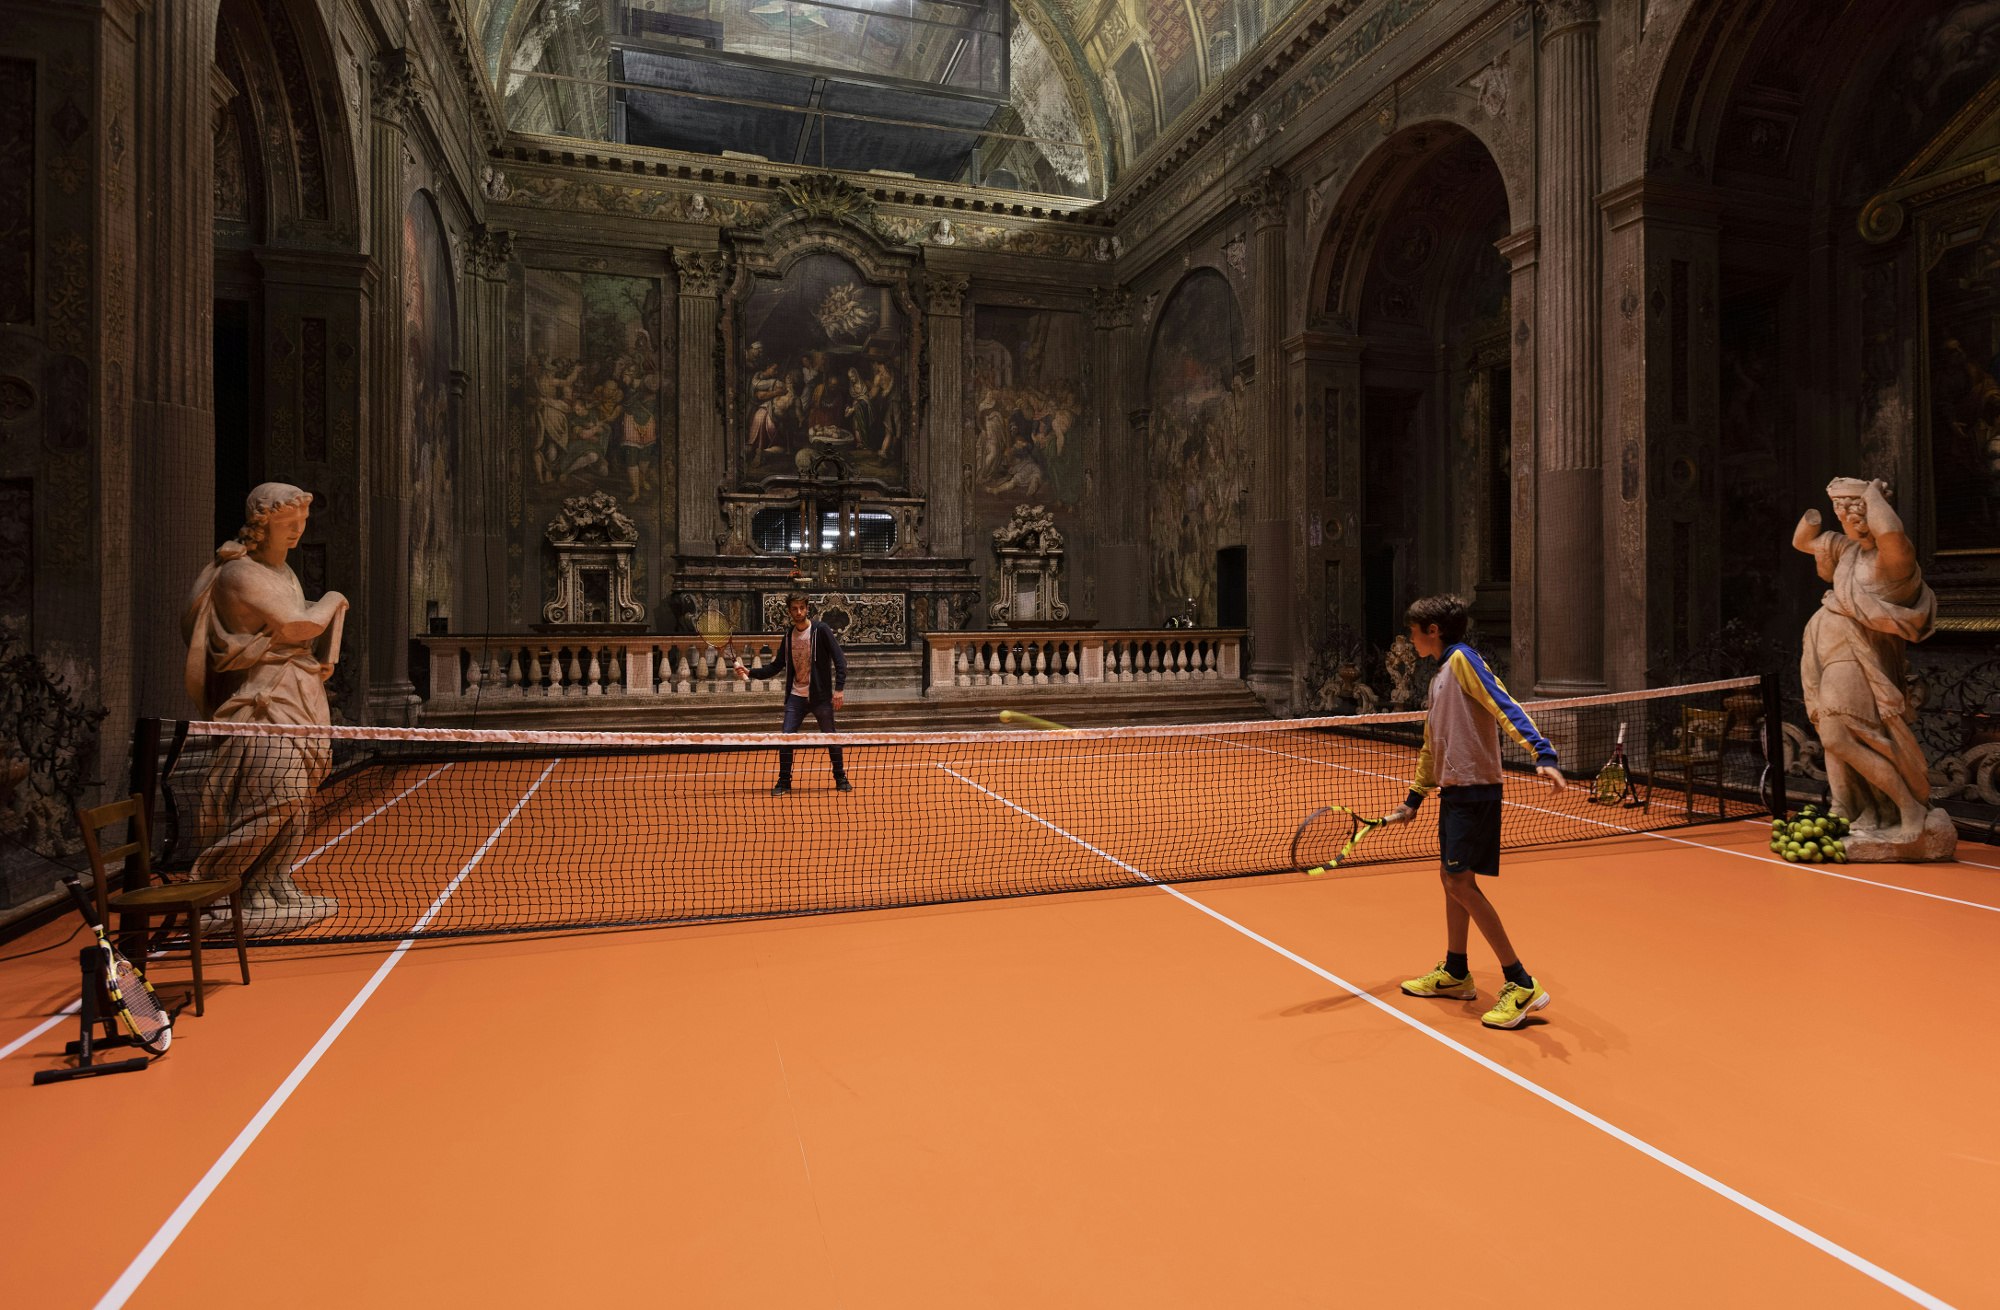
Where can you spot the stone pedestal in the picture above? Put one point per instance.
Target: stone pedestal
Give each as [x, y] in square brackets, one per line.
[1937, 842]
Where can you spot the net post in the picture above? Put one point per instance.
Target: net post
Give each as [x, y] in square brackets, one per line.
[1774, 744]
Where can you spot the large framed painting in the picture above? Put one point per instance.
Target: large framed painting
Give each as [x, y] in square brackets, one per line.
[822, 366]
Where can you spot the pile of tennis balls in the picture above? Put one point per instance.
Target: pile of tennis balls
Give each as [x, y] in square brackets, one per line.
[1810, 837]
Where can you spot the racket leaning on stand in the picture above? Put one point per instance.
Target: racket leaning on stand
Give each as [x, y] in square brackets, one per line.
[147, 1023]
[1328, 836]
[1614, 780]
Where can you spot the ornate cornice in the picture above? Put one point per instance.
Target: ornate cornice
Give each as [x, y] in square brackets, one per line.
[702, 272]
[1558, 14]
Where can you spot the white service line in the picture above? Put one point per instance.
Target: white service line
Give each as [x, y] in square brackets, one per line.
[66, 1012]
[1821, 870]
[1679, 1166]
[366, 819]
[142, 1264]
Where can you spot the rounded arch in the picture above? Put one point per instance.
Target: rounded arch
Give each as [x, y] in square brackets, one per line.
[279, 57]
[1347, 239]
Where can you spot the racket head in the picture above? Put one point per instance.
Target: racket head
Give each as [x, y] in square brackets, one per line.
[138, 1007]
[1610, 784]
[1031, 721]
[1327, 836]
[713, 626]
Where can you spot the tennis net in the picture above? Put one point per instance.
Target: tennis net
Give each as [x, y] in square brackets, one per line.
[345, 834]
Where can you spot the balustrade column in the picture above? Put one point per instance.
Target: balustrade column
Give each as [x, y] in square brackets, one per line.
[1569, 470]
[945, 357]
[1270, 553]
[392, 697]
[703, 444]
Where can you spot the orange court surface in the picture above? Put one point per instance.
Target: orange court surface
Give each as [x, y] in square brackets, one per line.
[1758, 1084]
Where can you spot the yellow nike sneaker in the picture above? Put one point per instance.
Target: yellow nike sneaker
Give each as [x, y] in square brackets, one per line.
[1440, 982]
[1515, 1002]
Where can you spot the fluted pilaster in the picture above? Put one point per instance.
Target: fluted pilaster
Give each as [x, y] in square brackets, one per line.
[173, 414]
[483, 487]
[391, 697]
[945, 352]
[1270, 554]
[704, 462]
[1569, 613]
[1121, 479]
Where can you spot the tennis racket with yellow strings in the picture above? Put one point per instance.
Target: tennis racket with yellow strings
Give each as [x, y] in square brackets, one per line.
[715, 630]
[1328, 837]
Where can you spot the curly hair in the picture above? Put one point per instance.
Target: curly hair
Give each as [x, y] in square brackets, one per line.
[266, 499]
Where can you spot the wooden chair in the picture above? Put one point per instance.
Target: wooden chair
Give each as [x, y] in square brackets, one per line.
[144, 897]
[1697, 749]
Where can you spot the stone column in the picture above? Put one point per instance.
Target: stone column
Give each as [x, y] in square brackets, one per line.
[704, 448]
[391, 696]
[482, 486]
[1569, 594]
[1120, 483]
[944, 347]
[1270, 545]
[1520, 250]
[173, 462]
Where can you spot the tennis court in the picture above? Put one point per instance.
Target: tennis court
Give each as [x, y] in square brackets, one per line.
[1757, 1080]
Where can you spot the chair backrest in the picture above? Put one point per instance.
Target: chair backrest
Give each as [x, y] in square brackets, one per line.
[1698, 725]
[137, 853]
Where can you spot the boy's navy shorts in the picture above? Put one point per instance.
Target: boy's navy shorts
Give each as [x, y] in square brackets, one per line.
[1469, 829]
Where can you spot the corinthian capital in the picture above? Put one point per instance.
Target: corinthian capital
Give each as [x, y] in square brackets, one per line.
[1265, 198]
[489, 250]
[1563, 13]
[701, 271]
[393, 86]
[945, 293]
[1112, 306]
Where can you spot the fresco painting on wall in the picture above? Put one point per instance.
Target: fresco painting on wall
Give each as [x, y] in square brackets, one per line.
[821, 361]
[592, 393]
[1965, 392]
[1030, 423]
[429, 325]
[1197, 444]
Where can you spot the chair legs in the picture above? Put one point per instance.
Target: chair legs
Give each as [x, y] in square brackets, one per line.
[236, 922]
[194, 952]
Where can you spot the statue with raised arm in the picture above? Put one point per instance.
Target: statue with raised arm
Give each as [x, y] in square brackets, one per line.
[1853, 670]
[258, 652]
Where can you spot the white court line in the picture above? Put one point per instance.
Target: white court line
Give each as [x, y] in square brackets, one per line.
[1681, 1167]
[149, 1256]
[370, 817]
[1820, 870]
[68, 1011]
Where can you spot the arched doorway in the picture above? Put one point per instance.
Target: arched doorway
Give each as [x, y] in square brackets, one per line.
[1417, 466]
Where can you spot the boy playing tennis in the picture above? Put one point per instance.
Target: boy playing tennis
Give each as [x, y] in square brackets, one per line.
[1461, 755]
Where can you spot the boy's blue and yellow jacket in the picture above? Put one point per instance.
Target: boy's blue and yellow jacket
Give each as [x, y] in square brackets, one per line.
[1461, 743]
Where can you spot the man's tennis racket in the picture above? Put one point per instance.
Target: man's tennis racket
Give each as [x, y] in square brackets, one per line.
[1030, 721]
[715, 630]
[131, 995]
[1328, 836]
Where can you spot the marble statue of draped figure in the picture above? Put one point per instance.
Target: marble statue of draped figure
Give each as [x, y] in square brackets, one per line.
[1853, 669]
[258, 652]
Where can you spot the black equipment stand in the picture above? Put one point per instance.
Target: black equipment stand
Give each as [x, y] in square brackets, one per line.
[91, 959]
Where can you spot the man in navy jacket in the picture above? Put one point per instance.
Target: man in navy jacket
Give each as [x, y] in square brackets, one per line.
[814, 668]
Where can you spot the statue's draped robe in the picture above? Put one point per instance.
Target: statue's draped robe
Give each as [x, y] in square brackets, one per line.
[1863, 622]
[256, 801]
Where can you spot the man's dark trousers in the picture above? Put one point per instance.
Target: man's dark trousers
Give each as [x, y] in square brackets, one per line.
[796, 709]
